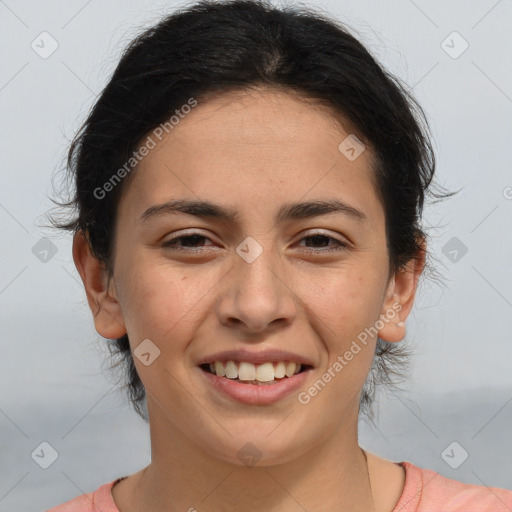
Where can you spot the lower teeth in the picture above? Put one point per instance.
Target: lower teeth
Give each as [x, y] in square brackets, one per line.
[255, 382]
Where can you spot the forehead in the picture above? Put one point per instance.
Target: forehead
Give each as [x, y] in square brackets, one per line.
[257, 146]
[263, 118]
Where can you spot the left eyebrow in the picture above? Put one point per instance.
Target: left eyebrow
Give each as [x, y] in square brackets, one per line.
[290, 211]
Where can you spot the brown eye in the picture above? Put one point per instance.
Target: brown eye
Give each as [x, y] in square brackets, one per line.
[320, 239]
[188, 242]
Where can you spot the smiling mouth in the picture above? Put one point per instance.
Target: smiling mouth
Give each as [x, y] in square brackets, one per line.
[247, 373]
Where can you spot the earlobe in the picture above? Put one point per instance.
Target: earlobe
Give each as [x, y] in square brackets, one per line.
[108, 318]
[393, 326]
[400, 298]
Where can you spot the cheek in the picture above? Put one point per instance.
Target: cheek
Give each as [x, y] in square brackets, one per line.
[345, 301]
[162, 303]
[344, 305]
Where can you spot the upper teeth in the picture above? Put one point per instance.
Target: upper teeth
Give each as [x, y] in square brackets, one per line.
[247, 371]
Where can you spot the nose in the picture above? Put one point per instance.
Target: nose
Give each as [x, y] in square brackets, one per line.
[257, 297]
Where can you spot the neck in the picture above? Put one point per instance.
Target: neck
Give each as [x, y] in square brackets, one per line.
[332, 475]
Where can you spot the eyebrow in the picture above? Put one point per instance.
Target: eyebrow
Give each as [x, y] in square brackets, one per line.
[206, 209]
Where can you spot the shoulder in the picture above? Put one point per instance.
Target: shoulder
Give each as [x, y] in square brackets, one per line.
[98, 501]
[426, 490]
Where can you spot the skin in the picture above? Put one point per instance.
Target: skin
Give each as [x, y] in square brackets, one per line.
[252, 151]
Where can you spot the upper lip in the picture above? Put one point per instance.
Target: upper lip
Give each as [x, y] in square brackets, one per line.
[260, 357]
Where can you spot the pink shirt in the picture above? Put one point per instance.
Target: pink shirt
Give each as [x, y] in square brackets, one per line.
[424, 491]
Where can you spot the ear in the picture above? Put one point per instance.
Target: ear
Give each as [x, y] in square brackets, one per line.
[108, 318]
[400, 297]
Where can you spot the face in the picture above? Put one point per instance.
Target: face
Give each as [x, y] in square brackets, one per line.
[265, 284]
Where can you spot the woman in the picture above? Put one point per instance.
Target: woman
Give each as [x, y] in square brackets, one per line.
[250, 186]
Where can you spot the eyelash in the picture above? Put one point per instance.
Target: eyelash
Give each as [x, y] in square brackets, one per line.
[339, 247]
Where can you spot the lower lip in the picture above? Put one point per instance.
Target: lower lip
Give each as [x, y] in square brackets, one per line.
[255, 394]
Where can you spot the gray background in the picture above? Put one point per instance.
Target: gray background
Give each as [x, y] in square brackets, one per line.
[53, 370]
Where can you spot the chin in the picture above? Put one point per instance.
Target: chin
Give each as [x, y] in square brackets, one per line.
[256, 450]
